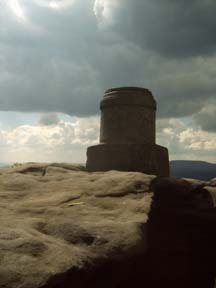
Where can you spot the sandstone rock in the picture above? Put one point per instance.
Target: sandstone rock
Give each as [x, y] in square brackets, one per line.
[40, 168]
[59, 225]
[213, 182]
[195, 182]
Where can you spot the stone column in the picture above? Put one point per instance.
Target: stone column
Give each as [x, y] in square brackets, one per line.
[127, 134]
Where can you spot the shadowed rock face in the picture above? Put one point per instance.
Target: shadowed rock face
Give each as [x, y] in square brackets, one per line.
[127, 134]
[181, 233]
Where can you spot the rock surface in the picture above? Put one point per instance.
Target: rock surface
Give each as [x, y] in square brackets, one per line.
[56, 218]
[182, 234]
[63, 227]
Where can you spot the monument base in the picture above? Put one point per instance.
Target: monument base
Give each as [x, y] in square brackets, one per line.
[147, 158]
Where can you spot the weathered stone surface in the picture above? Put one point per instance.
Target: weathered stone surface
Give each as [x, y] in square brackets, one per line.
[127, 134]
[128, 157]
[61, 225]
[128, 116]
[213, 182]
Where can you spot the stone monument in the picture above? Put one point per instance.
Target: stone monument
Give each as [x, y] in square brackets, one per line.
[127, 134]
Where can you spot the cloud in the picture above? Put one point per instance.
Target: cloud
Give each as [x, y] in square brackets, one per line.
[59, 4]
[62, 60]
[47, 119]
[169, 27]
[106, 12]
[186, 142]
[206, 117]
[16, 8]
[65, 141]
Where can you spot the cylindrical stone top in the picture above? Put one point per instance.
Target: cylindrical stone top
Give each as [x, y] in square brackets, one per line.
[128, 116]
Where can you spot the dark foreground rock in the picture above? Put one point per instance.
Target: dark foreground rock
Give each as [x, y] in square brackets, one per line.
[62, 227]
[182, 234]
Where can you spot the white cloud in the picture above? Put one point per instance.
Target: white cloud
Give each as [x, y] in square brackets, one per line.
[105, 11]
[197, 139]
[17, 9]
[65, 141]
[186, 143]
[59, 4]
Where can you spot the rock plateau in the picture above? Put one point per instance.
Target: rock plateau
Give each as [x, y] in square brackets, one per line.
[61, 226]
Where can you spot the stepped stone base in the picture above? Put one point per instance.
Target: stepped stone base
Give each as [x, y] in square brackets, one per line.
[146, 158]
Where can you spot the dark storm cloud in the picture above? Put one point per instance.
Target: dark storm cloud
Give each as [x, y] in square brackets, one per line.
[63, 60]
[45, 61]
[206, 118]
[172, 28]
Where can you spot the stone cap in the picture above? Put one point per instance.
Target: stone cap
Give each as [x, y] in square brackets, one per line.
[129, 96]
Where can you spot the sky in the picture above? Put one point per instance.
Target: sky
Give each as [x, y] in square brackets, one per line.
[57, 57]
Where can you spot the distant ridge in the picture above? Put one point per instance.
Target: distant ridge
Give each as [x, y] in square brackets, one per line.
[193, 169]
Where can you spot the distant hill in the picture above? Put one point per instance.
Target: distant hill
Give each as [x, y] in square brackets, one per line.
[193, 169]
